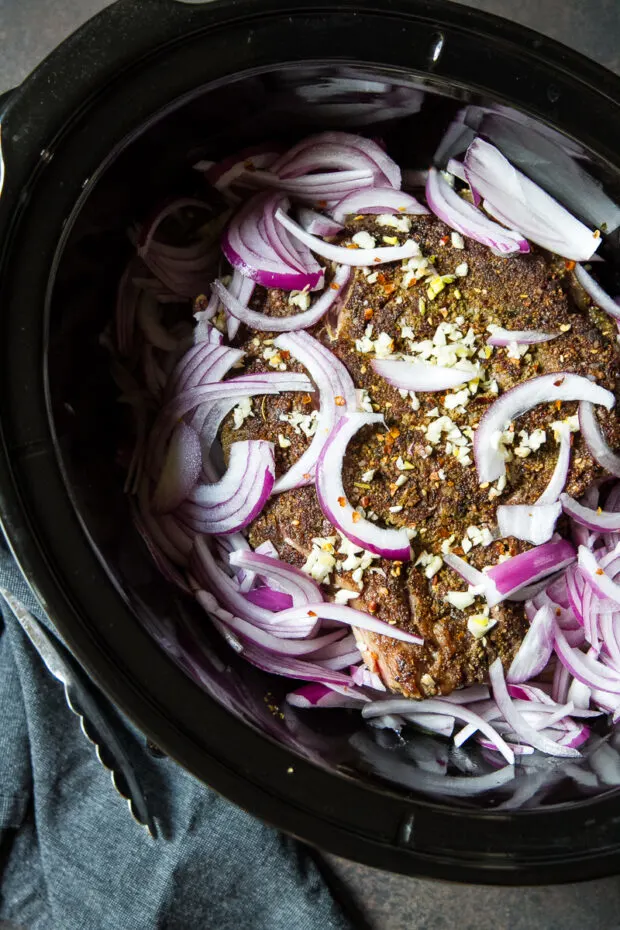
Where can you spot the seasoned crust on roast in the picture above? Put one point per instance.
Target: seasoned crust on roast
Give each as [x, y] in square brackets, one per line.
[440, 498]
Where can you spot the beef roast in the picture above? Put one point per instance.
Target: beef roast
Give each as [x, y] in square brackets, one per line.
[397, 474]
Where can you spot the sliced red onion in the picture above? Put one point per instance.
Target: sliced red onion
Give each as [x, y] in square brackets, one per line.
[517, 401]
[600, 521]
[584, 668]
[435, 706]
[350, 616]
[317, 224]
[321, 696]
[126, 304]
[204, 363]
[147, 315]
[294, 668]
[333, 381]
[468, 220]
[269, 598]
[298, 585]
[289, 648]
[224, 173]
[560, 473]
[249, 250]
[232, 503]
[521, 727]
[323, 157]
[335, 294]
[181, 469]
[377, 200]
[321, 189]
[600, 297]
[419, 376]
[467, 572]
[388, 543]
[515, 200]
[468, 695]
[377, 158]
[244, 386]
[535, 650]
[211, 577]
[364, 678]
[597, 577]
[594, 438]
[527, 337]
[531, 566]
[348, 256]
[533, 523]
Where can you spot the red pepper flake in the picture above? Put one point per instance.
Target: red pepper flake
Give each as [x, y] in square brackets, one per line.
[342, 501]
[352, 245]
[356, 517]
[570, 265]
[599, 571]
[377, 259]
[249, 165]
[365, 501]
[413, 282]
[285, 353]
[306, 399]
[373, 607]
[381, 278]
[389, 289]
[395, 432]
[321, 203]
[334, 286]
[369, 313]
[559, 382]
[340, 401]
[444, 240]
[311, 613]
[307, 476]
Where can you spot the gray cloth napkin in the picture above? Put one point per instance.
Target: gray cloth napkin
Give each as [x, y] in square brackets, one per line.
[75, 860]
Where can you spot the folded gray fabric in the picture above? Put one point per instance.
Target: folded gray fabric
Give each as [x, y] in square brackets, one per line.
[75, 859]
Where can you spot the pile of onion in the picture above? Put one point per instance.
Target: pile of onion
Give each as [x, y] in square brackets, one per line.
[285, 228]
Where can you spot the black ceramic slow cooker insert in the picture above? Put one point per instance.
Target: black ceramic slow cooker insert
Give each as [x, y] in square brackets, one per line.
[108, 125]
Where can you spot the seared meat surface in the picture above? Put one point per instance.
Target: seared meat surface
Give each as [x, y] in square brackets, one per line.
[419, 472]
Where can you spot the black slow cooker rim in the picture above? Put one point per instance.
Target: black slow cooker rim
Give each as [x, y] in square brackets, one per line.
[248, 767]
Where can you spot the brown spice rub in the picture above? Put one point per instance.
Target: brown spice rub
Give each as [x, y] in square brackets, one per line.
[441, 497]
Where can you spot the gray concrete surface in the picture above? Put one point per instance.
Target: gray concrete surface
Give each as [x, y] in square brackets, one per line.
[29, 29]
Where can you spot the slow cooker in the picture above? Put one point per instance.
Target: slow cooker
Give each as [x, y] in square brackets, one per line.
[109, 123]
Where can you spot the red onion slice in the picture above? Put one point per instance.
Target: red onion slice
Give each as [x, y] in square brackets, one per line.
[467, 572]
[435, 706]
[350, 616]
[224, 173]
[294, 582]
[269, 598]
[377, 157]
[232, 503]
[345, 256]
[521, 727]
[316, 224]
[560, 473]
[596, 576]
[600, 521]
[243, 386]
[600, 297]
[261, 638]
[419, 376]
[527, 337]
[529, 567]
[535, 650]
[533, 523]
[211, 577]
[594, 438]
[335, 294]
[147, 235]
[388, 543]
[321, 189]
[546, 389]
[468, 220]
[333, 381]
[294, 668]
[377, 200]
[515, 200]
[316, 695]
[181, 470]
[584, 668]
[249, 251]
